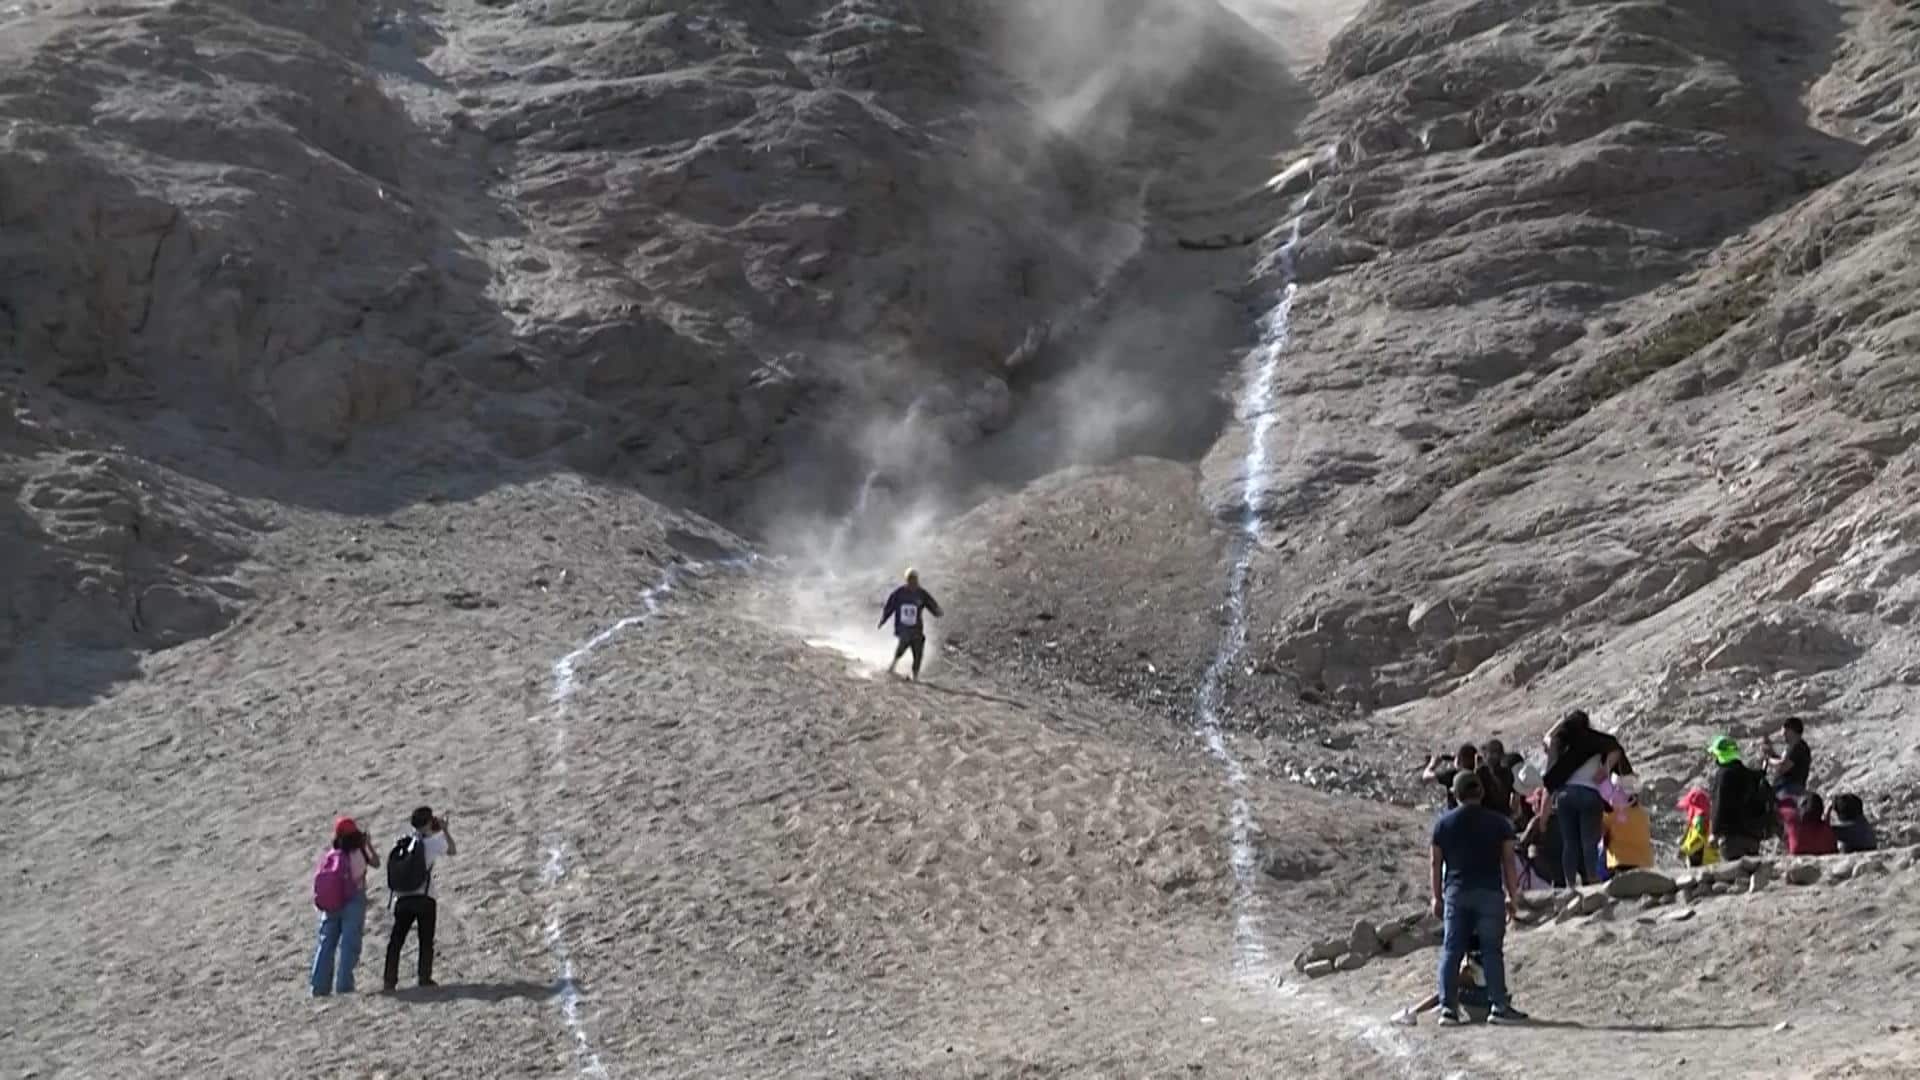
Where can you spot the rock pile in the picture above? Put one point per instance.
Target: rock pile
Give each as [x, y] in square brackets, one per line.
[1369, 940]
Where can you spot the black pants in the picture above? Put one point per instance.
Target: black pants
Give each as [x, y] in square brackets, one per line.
[409, 911]
[1738, 847]
[918, 643]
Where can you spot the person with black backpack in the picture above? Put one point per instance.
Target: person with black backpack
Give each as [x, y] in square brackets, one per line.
[410, 884]
[1743, 813]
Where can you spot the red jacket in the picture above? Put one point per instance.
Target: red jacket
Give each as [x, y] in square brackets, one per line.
[1811, 837]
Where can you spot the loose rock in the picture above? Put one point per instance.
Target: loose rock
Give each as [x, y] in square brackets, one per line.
[1363, 942]
[1632, 884]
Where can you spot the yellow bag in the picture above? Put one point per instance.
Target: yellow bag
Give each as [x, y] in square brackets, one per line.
[1698, 848]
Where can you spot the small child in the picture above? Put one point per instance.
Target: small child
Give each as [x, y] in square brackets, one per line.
[1850, 826]
[1697, 845]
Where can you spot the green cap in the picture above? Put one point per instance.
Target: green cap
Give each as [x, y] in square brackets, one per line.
[1724, 750]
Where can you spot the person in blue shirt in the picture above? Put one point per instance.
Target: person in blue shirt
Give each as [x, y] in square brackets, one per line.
[1476, 889]
[908, 606]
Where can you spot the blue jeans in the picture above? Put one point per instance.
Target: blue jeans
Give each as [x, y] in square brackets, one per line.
[339, 933]
[1470, 914]
[1578, 811]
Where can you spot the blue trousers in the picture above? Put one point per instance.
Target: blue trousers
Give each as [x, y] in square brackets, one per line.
[1579, 812]
[338, 949]
[1470, 914]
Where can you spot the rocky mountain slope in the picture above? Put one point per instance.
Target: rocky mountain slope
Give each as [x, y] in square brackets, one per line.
[521, 405]
[1597, 390]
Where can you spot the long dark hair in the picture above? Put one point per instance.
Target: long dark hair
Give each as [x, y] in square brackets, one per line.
[1570, 731]
[353, 841]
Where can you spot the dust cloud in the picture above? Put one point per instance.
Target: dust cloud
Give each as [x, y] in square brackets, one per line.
[1126, 362]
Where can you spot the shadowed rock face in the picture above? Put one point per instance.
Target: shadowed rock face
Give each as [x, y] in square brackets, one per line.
[633, 233]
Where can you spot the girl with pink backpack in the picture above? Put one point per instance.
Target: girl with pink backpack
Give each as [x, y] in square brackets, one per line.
[340, 895]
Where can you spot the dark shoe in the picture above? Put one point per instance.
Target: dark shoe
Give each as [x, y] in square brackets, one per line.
[1507, 1015]
[428, 983]
[1451, 1018]
[389, 988]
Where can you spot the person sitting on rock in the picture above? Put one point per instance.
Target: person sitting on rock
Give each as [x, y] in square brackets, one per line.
[1539, 845]
[1743, 814]
[1791, 769]
[1475, 891]
[1851, 829]
[1808, 832]
[1629, 837]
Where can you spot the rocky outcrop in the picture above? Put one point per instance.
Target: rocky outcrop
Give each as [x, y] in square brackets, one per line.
[1595, 392]
[105, 554]
[656, 243]
[1651, 889]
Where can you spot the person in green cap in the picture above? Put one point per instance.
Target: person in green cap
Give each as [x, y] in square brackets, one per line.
[1742, 802]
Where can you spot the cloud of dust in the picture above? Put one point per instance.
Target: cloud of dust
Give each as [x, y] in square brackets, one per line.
[1098, 66]
[1061, 155]
[842, 565]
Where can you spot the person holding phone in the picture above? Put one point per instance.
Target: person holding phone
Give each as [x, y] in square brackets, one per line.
[410, 885]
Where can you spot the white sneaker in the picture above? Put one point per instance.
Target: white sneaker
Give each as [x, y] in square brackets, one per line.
[1406, 1018]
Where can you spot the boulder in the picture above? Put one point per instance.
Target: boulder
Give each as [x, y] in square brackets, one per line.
[1313, 954]
[1353, 961]
[1319, 969]
[1633, 884]
[1388, 932]
[1411, 942]
[1592, 903]
[1803, 874]
[1542, 900]
[1363, 941]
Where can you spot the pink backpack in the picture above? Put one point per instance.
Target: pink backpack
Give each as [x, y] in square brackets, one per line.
[333, 884]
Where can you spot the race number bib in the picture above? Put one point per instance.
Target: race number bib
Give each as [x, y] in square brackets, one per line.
[909, 614]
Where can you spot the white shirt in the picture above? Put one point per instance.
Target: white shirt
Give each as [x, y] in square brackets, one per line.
[1591, 773]
[433, 845]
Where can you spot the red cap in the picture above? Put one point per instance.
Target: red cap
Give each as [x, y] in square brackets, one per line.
[344, 826]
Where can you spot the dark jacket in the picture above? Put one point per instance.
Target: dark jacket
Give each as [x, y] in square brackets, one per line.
[1854, 836]
[1741, 798]
[908, 607]
[1577, 751]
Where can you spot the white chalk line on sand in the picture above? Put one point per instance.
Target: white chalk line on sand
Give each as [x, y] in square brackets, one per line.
[1252, 963]
[554, 873]
[1250, 959]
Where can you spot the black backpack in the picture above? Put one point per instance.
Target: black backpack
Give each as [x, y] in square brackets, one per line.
[407, 871]
[1762, 809]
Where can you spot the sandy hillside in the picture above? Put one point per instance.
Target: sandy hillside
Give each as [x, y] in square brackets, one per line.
[523, 406]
